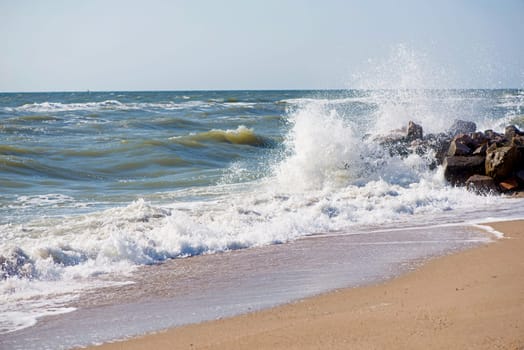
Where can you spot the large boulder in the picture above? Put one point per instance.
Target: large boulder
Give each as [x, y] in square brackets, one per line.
[495, 138]
[518, 142]
[511, 131]
[462, 127]
[440, 144]
[478, 139]
[481, 184]
[481, 150]
[519, 175]
[501, 161]
[414, 131]
[457, 169]
[459, 146]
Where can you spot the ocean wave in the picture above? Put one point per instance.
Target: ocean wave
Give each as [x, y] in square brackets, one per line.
[15, 166]
[240, 136]
[108, 105]
[328, 178]
[46, 107]
[17, 151]
[47, 200]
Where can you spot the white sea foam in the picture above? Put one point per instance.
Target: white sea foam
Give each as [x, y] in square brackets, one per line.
[51, 199]
[327, 101]
[49, 107]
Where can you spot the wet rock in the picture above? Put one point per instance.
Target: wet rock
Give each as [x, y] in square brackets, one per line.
[512, 131]
[495, 138]
[396, 148]
[490, 134]
[463, 152]
[457, 169]
[519, 175]
[509, 185]
[457, 148]
[518, 142]
[414, 132]
[478, 142]
[500, 161]
[478, 138]
[462, 127]
[440, 144]
[480, 150]
[481, 184]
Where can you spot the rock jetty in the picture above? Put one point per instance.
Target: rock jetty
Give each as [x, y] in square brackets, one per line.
[483, 161]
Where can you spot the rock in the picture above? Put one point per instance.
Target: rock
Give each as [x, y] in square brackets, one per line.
[463, 152]
[462, 127]
[480, 150]
[440, 144]
[481, 184]
[464, 144]
[518, 140]
[490, 133]
[414, 131]
[500, 161]
[496, 138]
[511, 131]
[509, 185]
[478, 140]
[457, 169]
[457, 148]
[395, 146]
[519, 175]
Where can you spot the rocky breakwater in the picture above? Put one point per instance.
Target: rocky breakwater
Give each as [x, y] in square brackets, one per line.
[485, 162]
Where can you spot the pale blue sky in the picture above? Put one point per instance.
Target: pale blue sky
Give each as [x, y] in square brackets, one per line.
[272, 44]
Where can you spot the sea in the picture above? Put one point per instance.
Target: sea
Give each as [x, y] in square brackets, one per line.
[101, 190]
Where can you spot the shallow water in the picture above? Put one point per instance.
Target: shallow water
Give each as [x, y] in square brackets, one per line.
[214, 286]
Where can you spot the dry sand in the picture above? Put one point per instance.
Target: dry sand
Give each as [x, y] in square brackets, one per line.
[470, 300]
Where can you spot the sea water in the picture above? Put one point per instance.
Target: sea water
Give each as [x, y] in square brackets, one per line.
[95, 185]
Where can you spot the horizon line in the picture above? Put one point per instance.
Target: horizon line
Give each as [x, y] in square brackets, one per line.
[261, 90]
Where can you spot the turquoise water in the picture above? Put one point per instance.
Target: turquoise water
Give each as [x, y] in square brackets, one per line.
[94, 184]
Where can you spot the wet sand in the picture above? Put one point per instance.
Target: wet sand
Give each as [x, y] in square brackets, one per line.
[470, 300]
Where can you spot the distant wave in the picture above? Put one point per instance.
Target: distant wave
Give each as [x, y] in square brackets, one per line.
[46, 107]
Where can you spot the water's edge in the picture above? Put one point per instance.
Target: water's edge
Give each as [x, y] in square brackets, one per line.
[184, 291]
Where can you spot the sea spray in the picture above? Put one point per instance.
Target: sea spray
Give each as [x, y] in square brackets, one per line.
[319, 148]
[406, 85]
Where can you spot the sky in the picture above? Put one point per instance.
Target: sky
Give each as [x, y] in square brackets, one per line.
[63, 45]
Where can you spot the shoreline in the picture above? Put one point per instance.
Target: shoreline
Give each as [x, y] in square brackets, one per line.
[470, 299]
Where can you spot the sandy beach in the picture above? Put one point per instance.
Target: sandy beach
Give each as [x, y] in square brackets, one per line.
[470, 300]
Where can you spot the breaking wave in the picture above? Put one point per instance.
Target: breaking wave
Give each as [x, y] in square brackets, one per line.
[240, 136]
